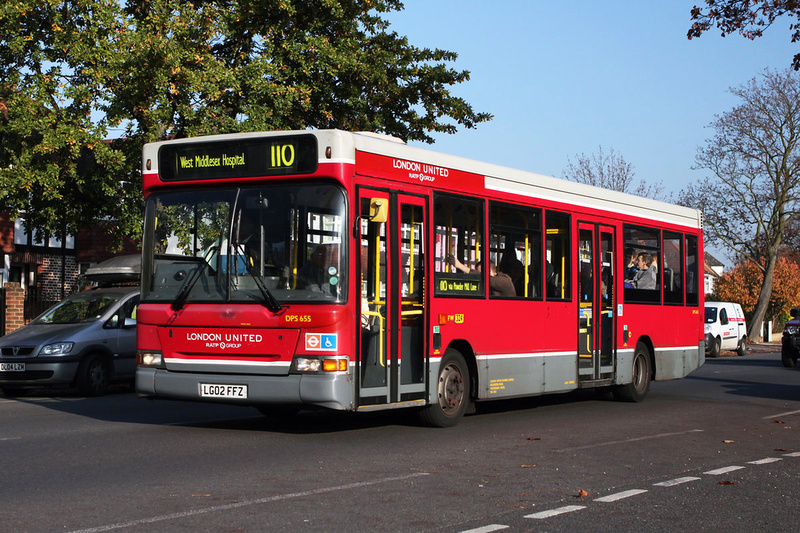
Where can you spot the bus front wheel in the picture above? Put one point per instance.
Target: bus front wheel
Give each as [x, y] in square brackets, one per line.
[636, 390]
[452, 389]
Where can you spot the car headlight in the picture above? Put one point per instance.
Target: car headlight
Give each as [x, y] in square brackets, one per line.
[57, 348]
[792, 330]
[707, 329]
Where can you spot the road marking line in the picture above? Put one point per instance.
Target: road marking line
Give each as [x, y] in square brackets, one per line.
[793, 454]
[637, 439]
[720, 471]
[780, 415]
[765, 461]
[555, 512]
[486, 529]
[674, 482]
[237, 505]
[620, 495]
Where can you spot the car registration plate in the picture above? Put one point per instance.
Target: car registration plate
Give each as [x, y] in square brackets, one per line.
[12, 367]
[212, 390]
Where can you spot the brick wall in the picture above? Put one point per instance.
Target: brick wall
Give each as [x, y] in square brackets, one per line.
[15, 307]
[50, 286]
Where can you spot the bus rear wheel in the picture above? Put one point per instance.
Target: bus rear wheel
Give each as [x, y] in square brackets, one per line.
[636, 390]
[453, 392]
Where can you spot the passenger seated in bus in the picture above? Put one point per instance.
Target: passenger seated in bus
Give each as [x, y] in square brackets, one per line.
[647, 276]
[321, 272]
[630, 268]
[500, 283]
[515, 270]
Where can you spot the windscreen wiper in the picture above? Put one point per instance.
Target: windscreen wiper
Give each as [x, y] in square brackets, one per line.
[180, 300]
[269, 300]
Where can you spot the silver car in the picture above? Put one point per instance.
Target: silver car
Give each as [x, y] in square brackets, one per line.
[86, 341]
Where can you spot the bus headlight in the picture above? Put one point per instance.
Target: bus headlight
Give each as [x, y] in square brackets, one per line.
[302, 364]
[147, 358]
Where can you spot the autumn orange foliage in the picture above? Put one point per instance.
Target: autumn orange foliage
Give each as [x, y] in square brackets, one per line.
[743, 282]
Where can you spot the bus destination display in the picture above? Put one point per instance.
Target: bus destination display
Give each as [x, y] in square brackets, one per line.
[243, 158]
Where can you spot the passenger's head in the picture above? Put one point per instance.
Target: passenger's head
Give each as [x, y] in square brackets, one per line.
[645, 259]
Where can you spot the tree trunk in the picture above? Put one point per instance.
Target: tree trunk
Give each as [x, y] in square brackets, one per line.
[755, 331]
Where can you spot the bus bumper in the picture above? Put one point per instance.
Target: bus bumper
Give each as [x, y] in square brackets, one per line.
[331, 391]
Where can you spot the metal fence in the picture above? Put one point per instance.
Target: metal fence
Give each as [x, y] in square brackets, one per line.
[35, 307]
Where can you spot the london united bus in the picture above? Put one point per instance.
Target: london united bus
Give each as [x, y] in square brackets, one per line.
[350, 271]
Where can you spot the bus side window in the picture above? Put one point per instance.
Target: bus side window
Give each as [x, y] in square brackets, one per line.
[673, 272]
[692, 277]
[515, 246]
[557, 256]
[643, 283]
[458, 246]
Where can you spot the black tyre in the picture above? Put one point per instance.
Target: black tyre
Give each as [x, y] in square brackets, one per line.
[715, 347]
[788, 360]
[93, 376]
[741, 350]
[637, 389]
[452, 393]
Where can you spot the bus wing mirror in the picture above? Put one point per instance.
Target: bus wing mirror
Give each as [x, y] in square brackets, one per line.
[378, 210]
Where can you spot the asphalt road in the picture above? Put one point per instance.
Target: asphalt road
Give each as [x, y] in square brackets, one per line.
[718, 451]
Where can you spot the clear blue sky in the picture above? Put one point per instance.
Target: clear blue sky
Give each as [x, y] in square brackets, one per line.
[563, 78]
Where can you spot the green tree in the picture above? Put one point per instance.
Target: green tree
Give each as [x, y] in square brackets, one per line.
[72, 71]
[748, 17]
[754, 156]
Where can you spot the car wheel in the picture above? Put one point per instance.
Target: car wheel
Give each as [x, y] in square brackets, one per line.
[788, 360]
[636, 390]
[452, 392]
[742, 348]
[93, 376]
[715, 347]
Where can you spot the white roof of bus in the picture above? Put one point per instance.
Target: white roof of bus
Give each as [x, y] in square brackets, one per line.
[344, 144]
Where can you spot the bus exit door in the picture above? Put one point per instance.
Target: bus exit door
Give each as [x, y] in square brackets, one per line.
[597, 304]
[392, 363]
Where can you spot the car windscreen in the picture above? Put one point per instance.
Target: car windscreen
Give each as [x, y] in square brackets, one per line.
[711, 315]
[79, 308]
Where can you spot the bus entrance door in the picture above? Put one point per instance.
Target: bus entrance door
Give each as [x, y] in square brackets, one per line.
[597, 303]
[391, 362]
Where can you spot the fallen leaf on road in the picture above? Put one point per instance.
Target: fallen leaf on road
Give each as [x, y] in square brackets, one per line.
[527, 466]
[726, 483]
[582, 494]
[729, 441]
[534, 438]
[779, 422]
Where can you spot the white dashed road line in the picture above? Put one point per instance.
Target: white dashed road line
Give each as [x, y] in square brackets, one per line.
[550, 513]
[620, 496]
[486, 529]
[725, 470]
[676, 482]
[555, 512]
[766, 461]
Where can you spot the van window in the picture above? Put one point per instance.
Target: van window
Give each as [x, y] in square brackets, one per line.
[723, 316]
[711, 315]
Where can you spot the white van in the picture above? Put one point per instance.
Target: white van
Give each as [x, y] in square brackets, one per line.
[725, 328]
